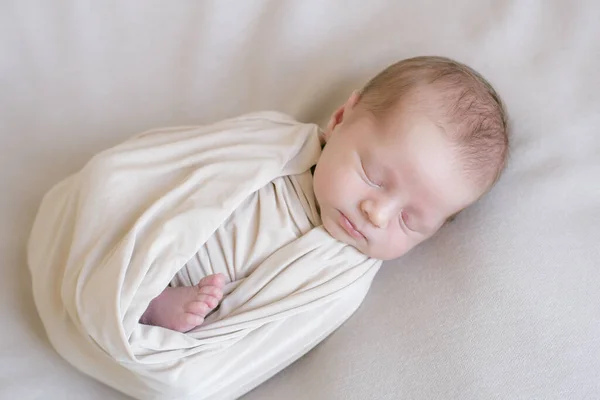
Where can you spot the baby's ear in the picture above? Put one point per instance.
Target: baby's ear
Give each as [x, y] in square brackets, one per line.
[335, 120]
[338, 116]
[353, 100]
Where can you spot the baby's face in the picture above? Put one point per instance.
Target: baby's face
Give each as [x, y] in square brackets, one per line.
[386, 186]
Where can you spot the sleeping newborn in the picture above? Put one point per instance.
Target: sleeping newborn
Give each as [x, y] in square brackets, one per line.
[423, 140]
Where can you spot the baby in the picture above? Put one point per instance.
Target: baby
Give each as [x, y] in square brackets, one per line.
[423, 140]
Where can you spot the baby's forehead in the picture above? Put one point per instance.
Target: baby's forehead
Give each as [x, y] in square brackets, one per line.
[411, 143]
[426, 104]
[408, 128]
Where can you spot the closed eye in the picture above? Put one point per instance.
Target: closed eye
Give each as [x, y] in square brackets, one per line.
[366, 177]
[403, 217]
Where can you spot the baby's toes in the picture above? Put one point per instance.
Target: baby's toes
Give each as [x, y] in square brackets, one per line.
[210, 300]
[213, 291]
[199, 308]
[189, 321]
[217, 280]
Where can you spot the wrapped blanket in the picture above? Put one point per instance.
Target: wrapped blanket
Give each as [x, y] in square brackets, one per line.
[110, 238]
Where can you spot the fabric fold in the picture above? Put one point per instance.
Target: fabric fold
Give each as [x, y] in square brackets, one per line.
[110, 238]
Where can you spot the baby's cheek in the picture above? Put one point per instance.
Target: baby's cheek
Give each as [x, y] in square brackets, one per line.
[397, 245]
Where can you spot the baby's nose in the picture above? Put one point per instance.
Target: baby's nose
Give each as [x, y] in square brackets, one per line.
[379, 214]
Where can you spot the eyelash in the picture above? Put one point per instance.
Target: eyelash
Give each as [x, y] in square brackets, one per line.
[403, 221]
[369, 180]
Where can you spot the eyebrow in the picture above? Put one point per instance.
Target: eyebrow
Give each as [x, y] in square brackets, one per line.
[452, 217]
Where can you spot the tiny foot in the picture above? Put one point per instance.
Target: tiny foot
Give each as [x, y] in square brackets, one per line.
[183, 308]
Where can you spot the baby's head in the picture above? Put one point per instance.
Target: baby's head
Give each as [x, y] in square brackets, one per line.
[423, 140]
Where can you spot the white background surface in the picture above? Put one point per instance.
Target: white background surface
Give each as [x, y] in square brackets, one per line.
[501, 304]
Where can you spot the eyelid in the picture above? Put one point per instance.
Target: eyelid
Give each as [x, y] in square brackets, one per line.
[403, 221]
[369, 180]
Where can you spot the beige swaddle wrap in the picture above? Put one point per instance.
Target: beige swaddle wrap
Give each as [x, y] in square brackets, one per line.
[108, 239]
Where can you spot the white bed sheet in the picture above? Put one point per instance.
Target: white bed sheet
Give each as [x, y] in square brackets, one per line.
[503, 303]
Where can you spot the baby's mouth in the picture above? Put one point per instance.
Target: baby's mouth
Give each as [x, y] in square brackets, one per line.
[350, 228]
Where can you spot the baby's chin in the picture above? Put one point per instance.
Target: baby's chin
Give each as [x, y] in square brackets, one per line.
[327, 224]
